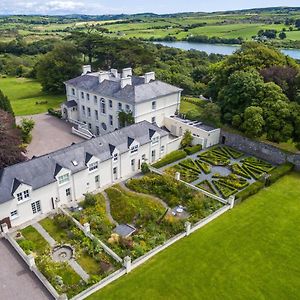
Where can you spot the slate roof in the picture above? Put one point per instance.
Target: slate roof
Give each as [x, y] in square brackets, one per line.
[137, 92]
[70, 104]
[41, 171]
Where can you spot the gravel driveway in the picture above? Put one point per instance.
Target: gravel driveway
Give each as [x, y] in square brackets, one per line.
[49, 134]
[17, 282]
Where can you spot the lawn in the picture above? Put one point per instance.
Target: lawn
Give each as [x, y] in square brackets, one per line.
[24, 93]
[251, 252]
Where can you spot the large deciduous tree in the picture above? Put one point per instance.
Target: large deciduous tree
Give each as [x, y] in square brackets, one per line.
[10, 141]
[57, 66]
[253, 121]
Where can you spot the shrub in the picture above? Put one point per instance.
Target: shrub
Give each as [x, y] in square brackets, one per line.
[279, 172]
[193, 149]
[26, 127]
[187, 139]
[250, 190]
[90, 200]
[55, 113]
[170, 158]
[145, 168]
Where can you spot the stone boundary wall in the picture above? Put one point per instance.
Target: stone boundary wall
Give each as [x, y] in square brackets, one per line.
[30, 262]
[92, 237]
[139, 261]
[262, 150]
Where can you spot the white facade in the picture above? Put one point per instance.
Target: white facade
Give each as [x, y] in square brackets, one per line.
[69, 186]
[97, 98]
[202, 134]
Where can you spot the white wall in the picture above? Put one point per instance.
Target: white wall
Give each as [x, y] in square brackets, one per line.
[82, 182]
[165, 107]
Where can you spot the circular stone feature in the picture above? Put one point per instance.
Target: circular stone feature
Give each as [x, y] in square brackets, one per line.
[62, 253]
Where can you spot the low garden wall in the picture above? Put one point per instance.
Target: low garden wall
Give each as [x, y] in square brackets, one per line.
[139, 261]
[262, 150]
[92, 237]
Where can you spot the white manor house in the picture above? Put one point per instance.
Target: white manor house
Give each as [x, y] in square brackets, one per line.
[110, 154]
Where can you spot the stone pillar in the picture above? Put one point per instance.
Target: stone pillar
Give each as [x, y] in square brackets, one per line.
[231, 201]
[177, 176]
[4, 228]
[31, 261]
[187, 228]
[87, 227]
[127, 264]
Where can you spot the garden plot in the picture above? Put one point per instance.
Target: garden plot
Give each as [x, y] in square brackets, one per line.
[148, 206]
[220, 170]
[69, 260]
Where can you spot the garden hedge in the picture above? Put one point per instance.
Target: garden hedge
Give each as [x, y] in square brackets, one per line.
[193, 149]
[249, 191]
[278, 172]
[170, 158]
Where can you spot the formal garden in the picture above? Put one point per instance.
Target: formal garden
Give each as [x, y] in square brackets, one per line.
[68, 259]
[220, 170]
[156, 208]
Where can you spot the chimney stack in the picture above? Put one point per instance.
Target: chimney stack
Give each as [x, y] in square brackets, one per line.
[103, 76]
[86, 69]
[115, 73]
[126, 72]
[125, 81]
[149, 76]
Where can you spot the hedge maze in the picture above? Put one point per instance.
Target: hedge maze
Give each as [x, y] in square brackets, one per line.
[210, 163]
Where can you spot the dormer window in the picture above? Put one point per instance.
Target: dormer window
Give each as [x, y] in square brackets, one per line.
[93, 166]
[23, 195]
[155, 141]
[63, 179]
[115, 157]
[134, 149]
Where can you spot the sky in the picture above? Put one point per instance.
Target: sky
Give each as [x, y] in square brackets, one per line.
[100, 7]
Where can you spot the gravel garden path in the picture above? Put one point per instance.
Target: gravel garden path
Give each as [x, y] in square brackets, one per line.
[108, 211]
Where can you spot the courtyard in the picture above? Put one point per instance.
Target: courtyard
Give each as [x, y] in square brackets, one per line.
[49, 134]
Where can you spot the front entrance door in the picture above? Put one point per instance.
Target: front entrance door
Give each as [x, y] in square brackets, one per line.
[7, 221]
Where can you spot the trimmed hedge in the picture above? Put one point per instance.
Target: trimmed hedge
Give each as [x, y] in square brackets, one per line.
[170, 158]
[249, 191]
[193, 149]
[55, 113]
[278, 172]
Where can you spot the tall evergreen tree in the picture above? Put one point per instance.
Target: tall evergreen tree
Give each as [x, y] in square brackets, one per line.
[5, 103]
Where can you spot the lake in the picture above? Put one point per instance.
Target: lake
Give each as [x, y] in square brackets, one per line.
[219, 48]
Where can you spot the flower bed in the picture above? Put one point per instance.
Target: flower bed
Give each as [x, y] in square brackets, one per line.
[225, 189]
[215, 157]
[175, 193]
[207, 186]
[186, 174]
[205, 167]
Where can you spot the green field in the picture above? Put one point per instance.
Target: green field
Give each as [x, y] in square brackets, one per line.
[251, 252]
[24, 93]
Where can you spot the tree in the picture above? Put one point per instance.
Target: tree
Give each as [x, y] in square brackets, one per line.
[297, 23]
[10, 141]
[5, 103]
[187, 139]
[288, 78]
[26, 127]
[282, 35]
[57, 66]
[253, 121]
[243, 90]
